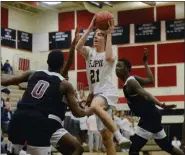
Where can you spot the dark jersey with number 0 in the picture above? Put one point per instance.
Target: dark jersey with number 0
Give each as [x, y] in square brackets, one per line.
[140, 106]
[43, 94]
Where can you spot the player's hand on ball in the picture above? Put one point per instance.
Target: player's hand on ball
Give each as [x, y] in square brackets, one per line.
[145, 56]
[170, 106]
[89, 99]
[111, 26]
[92, 24]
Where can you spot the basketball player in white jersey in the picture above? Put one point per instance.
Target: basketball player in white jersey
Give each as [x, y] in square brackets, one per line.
[100, 63]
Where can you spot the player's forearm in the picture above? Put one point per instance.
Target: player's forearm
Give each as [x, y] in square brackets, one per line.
[108, 48]
[69, 60]
[154, 100]
[149, 97]
[79, 112]
[82, 40]
[8, 82]
[148, 72]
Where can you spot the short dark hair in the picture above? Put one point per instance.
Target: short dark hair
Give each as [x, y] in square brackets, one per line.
[55, 59]
[127, 63]
[5, 90]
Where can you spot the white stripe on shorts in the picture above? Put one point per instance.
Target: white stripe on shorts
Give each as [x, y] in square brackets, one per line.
[149, 135]
[57, 136]
[160, 135]
[55, 118]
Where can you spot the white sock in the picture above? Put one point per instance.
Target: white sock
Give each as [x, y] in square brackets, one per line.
[117, 135]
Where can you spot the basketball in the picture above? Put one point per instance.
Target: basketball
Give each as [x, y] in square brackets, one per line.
[102, 19]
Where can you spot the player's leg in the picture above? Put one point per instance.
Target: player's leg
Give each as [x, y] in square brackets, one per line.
[91, 141]
[99, 105]
[65, 143]
[107, 138]
[97, 141]
[137, 144]
[162, 141]
[166, 146]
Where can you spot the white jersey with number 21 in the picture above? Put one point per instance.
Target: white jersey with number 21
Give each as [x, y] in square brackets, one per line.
[99, 73]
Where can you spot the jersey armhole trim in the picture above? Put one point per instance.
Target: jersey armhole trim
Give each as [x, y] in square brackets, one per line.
[52, 73]
[129, 78]
[51, 116]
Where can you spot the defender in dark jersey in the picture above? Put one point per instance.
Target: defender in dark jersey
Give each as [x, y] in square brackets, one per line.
[143, 105]
[38, 121]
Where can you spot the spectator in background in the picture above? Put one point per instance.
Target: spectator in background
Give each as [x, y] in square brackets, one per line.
[83, 130]
[2, 69]
[83, 120]
[5, 92]
[176, 143]
[3, 150]
[6, 115]
[7, 68]
[72, 123]
[93, 134]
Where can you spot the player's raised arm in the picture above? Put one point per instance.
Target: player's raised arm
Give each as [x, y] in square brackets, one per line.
[70, 58]
[80, 45]
[135, 88]
[17, 79]
[150, 78]
[108, 49]
[71, 100]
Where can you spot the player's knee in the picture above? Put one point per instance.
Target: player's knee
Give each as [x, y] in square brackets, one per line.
[95, 107]
[98, 102]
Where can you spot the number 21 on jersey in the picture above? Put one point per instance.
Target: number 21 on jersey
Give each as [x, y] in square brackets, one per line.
[94, 75]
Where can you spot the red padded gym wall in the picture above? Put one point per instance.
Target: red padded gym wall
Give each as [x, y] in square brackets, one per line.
[82, 78]
[84, 19]
[66, 21]
[135, 54]
[4, 17]
[165, 13]
[80, 62]
[138, 72]
[167, 76]
[139, 16]
[170, 53]
[65, 59]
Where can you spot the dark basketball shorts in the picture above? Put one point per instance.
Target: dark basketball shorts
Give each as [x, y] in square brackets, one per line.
[35, 128]
[152, 129]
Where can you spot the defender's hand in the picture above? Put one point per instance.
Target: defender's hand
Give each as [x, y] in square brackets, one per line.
[89, 99]
[145, 56]
[166, 107]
